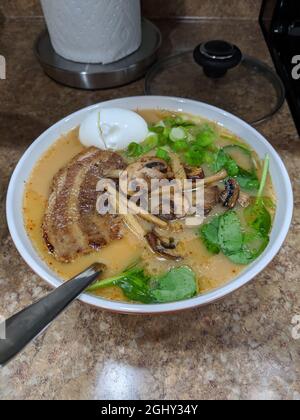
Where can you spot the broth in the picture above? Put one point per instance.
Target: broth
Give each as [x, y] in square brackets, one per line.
[211, 271]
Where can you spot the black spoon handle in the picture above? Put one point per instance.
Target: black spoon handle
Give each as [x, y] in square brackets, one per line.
[23, 327]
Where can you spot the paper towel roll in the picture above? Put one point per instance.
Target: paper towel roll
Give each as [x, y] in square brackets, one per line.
[94, 31]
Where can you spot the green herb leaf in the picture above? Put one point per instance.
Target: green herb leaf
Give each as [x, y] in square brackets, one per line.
[136, 288]
[242, 155]
[247, 181]
[230, 233]
[210, 235]
[253, 246]
[224, 161]
[178, 284]
[225, 233]
[258, 217]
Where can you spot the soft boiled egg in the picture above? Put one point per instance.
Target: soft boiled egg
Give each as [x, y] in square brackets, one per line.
[113, 129]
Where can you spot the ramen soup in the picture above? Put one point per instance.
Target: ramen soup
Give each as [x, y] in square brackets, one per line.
[159, 258]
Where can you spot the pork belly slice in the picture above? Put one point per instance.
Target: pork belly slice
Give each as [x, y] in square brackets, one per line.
[71, 225]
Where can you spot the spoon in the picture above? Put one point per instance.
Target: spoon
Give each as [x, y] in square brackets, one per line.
[26, 325]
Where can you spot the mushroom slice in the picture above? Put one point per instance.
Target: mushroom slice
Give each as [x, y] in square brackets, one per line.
[134, 225]
[220, 176]
[216, 178]
[194, 173]
[146, 169]
[230, 195]
[211, 199]
[137, 210]
[158, 245]
[244, 199]
[177, 167]
[172, 207]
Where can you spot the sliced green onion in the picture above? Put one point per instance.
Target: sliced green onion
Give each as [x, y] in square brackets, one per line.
[150, 143]
[177, 133]
[135, 150]
[157, 128]
[194, 157]
[160, 124]
[206, 137]
[173, 122]
[163, 154]
[264, 177]
[179, 146]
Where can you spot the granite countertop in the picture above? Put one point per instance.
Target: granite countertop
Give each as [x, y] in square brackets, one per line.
[241, 347]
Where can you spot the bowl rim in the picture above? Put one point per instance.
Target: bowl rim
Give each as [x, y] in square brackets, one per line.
[134, 308]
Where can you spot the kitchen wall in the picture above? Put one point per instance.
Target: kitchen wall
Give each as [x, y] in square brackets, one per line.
[248, 9]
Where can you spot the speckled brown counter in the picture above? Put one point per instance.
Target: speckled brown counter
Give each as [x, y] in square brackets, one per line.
[241, 347]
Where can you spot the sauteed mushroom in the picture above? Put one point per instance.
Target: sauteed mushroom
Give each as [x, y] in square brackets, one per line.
[194, 173]
[170, 203]
[160, 247]
[137, 210]
[244, 199]
[230, 195]
[211, 199]
[147, 169]
[177, 167]
[216, 178]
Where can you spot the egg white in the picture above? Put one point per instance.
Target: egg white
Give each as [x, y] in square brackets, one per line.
[113, 129]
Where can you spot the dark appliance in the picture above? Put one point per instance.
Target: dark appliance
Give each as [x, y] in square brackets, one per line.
[280, 21]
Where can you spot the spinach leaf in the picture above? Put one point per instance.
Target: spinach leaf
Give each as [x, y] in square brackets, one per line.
[209, 234]
[224, 161]
[257, 215]
[220, 161]
[178, 284]
[240, 247]
[247, 181]
[136, 288]
[133, 282]
[253, 246]
[225, 233]
[230, 233]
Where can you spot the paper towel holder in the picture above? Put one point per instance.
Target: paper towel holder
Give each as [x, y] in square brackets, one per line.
[99, 76]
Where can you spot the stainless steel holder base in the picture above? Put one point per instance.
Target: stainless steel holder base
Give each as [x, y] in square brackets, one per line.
[99, 76]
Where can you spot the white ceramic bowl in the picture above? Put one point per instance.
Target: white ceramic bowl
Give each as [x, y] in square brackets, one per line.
[279, 175]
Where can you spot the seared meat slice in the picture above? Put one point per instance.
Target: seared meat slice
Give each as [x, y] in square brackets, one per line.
[71, 224]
